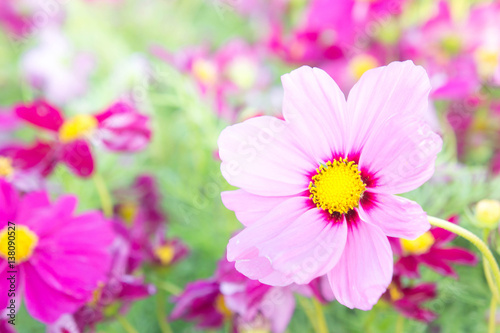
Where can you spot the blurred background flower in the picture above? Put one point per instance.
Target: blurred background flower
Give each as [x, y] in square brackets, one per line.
[118, 104]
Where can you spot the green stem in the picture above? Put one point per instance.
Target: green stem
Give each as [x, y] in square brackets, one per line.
[320, 316]
[126, 325]
[477, 242]
[400, 324]
[493, 316]
[308, 311]
[169, 287]
[161, 313]
[487, 270]
[104, 196]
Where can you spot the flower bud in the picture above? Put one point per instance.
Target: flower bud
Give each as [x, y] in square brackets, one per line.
[488, 213]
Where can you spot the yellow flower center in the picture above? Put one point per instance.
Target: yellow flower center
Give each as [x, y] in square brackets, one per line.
[337, 187]
[487, 61]
[6, 168]
[19, 243]
[361, 63]
[127, 211]
[205, 71]
[165, 253]
[395, 293]
[220, 305]
[77, 127]
[418, 246]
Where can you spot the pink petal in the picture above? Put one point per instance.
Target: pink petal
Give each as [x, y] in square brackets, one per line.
[315, 108]
[407, 266]
[278, 306]
[365, 269]
[78, 158]
[395, 145]
[275, 238]
[41, 156]
[43, 220]
[9, 200]
[437, 264]
[30, 204]
[401, 156]
[41, 114]
[249, 207]
[401, 88]
[44, 302]
[262, 157]
[456, 255]
[123, 128]
[395, 216]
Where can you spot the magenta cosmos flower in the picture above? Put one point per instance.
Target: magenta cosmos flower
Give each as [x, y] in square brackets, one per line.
[317, 189]
[248, 305]
[119, 128]
[60, 257]
[431, 250]
[408, 300]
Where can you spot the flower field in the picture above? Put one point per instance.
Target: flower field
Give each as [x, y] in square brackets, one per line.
[249, 166]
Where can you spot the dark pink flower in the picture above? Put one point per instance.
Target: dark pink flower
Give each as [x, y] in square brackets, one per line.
[408, 300]
[112, 297]
[430, 250]
[230, 296]
[50, 236]
[118, 128]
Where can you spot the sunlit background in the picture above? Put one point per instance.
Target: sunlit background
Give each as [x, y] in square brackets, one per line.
[186, 70]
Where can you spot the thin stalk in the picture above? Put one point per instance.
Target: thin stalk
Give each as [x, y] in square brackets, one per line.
[320, 316]
[477, 242]
[493, 316]
[308, 311]
[161, 313]
[104, 196]
[126, 325]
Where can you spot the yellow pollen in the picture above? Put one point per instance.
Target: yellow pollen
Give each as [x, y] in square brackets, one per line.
[361, 63]
[97, 294]
[6, 168]
[205, 71]
[418, 246]
[77, 127]
[395, 293]
[165, 253]
[18, 243]
[127, 211]
[220, 305]
[337, 187]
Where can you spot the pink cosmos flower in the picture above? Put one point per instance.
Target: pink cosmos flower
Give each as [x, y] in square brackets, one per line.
[430, 250]
[446, 47]
[230, 296]
[118, 128]
[317, 189]
[112, 297]
[143, 223]
[22, 18]
[60, 257]
[408, 300]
